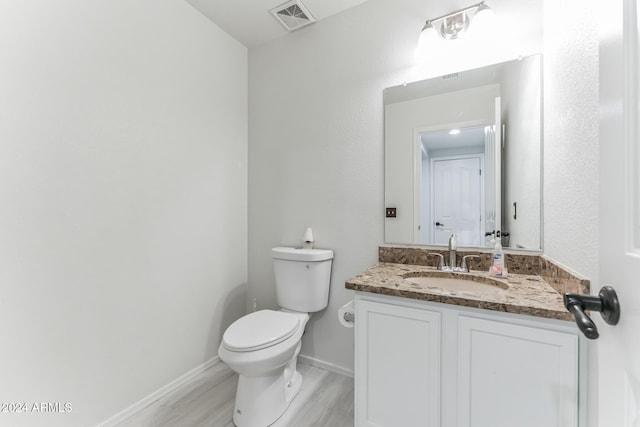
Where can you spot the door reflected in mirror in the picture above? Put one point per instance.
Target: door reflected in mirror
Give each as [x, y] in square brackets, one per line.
[452, 193]
[462, 153]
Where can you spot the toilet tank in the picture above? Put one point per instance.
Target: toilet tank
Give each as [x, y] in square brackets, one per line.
[302, 278]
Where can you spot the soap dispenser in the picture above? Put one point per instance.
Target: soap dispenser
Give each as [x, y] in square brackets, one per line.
[498, 268]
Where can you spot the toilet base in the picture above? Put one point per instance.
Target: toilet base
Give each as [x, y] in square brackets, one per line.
[261, 400]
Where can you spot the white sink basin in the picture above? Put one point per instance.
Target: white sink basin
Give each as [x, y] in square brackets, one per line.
[456, 283]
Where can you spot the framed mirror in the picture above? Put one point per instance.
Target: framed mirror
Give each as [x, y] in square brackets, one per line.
[463, 156]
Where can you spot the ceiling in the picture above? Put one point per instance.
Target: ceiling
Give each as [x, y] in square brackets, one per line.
[468, 137]
[250, 22]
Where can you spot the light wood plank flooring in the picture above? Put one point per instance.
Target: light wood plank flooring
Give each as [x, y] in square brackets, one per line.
[326, 399]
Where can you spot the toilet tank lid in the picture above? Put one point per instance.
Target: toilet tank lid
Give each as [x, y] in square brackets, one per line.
[299, 254]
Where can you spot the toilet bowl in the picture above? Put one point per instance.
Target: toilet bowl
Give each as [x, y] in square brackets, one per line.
[263, 346]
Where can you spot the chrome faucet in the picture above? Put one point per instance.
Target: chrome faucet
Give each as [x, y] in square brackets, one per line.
[452, 251]
[453, 267]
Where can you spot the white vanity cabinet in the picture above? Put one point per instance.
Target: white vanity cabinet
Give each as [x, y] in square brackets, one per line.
[428, 364]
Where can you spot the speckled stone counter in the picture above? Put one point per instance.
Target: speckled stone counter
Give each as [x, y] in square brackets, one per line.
[524, 294]
[561, 278]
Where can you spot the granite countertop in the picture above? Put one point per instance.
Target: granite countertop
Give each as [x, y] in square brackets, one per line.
[525, 294]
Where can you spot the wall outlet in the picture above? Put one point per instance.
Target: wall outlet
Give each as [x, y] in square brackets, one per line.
[390, 212]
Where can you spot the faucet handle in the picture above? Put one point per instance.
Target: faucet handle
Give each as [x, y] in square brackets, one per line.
[441, 264]
[463, 266]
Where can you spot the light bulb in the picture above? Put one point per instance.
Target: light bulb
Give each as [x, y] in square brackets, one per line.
[428, 39]
[484, 20]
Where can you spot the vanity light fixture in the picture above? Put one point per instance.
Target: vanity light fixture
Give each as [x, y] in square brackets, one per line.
[453, 25]
[454, 132]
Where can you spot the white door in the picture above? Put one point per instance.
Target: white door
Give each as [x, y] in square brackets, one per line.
[618, 348]
[456, 200]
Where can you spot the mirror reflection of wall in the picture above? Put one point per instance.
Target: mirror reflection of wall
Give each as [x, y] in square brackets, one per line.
[521, 89]
[484, 176]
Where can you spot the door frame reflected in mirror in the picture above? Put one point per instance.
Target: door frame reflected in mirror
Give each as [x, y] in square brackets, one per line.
[461, 158]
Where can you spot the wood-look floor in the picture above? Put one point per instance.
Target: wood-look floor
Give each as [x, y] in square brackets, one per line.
[325, 400]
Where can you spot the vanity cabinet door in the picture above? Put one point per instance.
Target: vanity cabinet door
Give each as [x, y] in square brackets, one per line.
[515, 375]
[397, 375]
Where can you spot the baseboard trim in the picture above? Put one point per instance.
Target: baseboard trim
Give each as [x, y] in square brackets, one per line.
[158, 394]
[340, 370]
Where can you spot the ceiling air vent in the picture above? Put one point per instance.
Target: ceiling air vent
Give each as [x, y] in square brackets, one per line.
[292, 15]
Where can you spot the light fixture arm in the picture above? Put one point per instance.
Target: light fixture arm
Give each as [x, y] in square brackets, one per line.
[449, 15]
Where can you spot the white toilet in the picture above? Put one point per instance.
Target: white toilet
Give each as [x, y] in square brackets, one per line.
[262, 347]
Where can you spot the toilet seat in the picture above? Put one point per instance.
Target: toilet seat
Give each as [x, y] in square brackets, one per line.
[260, 329]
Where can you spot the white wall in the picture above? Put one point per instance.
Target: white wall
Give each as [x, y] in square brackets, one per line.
[123, 129]
[123, 173]
[316, 139]
[571, 147]
[316, 143]
[571, 136]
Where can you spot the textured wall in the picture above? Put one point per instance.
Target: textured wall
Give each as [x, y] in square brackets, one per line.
[571, 137]
[124, 131]
[316, 139]
[316, 146]
[571, 146]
